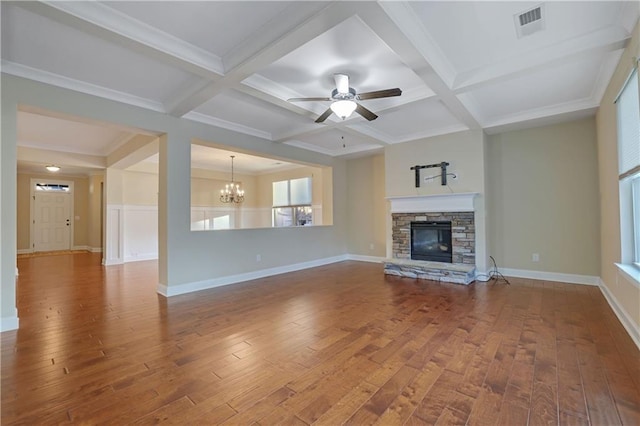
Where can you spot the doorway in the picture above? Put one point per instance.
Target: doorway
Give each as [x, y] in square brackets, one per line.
[51, 215]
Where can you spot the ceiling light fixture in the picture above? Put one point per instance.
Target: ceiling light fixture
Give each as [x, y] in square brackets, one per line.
[343, 108]
[232, 192]
[52, 168]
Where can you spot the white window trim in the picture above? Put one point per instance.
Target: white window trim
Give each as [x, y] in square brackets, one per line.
[635, 201]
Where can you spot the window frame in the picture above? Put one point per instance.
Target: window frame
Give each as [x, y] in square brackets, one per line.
[627, 106]
[635, 213]
[293, 208]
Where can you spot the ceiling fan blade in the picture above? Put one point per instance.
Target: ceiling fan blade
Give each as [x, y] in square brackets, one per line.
[307, 99]
[324, 116]
[365, 113]
[379, 94]
[342, 82]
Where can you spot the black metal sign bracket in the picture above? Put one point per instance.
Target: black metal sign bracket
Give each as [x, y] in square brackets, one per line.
[443, 174]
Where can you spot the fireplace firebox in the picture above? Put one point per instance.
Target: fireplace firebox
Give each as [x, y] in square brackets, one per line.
[431, 241]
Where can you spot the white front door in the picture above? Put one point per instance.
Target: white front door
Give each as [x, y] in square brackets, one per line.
[52, 221]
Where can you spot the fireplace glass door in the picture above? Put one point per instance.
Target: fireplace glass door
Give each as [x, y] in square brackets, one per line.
[431, 241]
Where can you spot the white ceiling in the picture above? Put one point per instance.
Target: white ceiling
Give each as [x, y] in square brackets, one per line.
[460, 65]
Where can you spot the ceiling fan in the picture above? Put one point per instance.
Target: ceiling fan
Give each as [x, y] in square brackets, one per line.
[344, 99]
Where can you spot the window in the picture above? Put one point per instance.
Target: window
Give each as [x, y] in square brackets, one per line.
[292, 203]
[635, 197]
[628, 125]
[52, 187]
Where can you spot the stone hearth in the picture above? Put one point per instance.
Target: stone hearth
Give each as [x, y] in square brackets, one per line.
[437, 271]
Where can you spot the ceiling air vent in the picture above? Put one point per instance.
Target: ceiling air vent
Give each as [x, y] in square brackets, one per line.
[530, 21]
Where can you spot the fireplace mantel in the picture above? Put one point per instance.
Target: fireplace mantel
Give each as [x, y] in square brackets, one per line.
[456, 202]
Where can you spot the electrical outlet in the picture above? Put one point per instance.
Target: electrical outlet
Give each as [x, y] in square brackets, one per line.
[535, 257]
[371, 246]
[258, 258]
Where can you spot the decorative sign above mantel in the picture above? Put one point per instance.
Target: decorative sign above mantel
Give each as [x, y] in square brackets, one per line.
[456, 202]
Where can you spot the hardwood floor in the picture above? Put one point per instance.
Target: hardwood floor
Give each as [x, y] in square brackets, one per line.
[336, 344]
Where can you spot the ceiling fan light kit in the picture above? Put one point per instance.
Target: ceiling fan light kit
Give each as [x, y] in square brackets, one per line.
[344, 100]
[343, 108]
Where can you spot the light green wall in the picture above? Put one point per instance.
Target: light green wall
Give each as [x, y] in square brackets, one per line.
[367, 206]
[544, 198]
[8, 209]
[185, 257]
[465, 152]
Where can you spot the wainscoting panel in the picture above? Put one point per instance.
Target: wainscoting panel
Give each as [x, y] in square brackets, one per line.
[140, 233]
[113, 235]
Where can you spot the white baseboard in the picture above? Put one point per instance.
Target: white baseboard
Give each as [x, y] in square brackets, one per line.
[551, 276]
[88, 248]
[141, 257]
[628, 324]
[482, 276]
[362, 258]
[169, 291]
[9, 323]
[109, 262]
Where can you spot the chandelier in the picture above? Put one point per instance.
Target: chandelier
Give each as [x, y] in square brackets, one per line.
[232, 192]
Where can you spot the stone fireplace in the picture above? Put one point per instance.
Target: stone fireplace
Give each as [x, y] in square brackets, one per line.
[463, 239]
[457, 209]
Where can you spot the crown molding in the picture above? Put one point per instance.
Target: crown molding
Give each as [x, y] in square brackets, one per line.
[46, 77]
[546, 112]
[358, 149]
[218, 122]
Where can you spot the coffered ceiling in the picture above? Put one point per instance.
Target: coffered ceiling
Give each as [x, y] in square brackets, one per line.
[460, 65]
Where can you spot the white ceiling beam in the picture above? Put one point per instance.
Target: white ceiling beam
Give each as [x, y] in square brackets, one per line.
[111, 25]
[84, 120]
[35, 155]
[218, 122]
[138, 148]
[397, 25]
[572, 50]
[268, 45]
